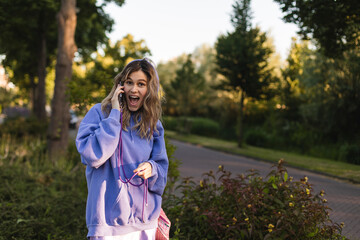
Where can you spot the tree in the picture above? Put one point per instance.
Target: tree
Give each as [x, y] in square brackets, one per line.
[29, 39]
[187, 88]
[331, 100]
[335, 24]
[58, 129]
[27, 42]
[242, 59]
[67, 19]
[290, 90]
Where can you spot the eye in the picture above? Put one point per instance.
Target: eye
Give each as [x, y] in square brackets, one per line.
[128, 82]
[141, 84]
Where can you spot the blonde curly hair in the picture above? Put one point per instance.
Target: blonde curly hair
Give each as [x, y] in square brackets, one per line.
[147, 116]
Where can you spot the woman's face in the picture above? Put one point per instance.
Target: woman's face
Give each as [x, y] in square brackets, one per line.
[135, 88]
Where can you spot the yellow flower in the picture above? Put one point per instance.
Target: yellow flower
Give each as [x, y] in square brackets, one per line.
[324, 200]
[234, 219]
[291, 204]
[249, 205]
[342, 225]
[291, 196]
[306, 179]
[290, 179]
[307, 191]
[270, 227]
[246, 219]
[322, 193]
[227, 225]
[201, 183]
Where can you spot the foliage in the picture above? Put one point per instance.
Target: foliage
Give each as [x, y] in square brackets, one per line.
[21, 126]
[335, 36]
[242, 58]
[350, 153]
[193, 125]
[332, 92]
[203, 62]
[257, 137]
[187, 89]
[40, 200]
[173, 170]
[7, 96]
[29, 36]
[250, 207]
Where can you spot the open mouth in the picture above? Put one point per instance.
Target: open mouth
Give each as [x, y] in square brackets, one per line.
[134, 100]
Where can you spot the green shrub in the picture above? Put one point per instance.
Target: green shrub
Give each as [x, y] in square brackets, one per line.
[350, 153]
[250, 207]
[204, 127]
[170, 123]
[192, 125]
[39, 200]
[256, 137]
[21, 126]
[173, 171]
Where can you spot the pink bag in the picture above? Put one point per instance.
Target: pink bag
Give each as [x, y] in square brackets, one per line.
[163, 229]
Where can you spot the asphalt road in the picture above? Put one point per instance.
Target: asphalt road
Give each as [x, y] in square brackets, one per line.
[343, 198]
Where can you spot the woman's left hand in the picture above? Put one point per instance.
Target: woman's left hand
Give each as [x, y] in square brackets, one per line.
[144, 170]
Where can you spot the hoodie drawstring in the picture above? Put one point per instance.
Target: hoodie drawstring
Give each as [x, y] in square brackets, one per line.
[127, 180]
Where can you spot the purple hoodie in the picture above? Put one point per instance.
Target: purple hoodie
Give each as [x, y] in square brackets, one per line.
[114, 208]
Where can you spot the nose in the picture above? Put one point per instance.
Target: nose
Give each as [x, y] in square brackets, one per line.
[133, 89]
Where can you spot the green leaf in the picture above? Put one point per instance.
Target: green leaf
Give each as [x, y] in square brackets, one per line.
[21, 220]
[285, 176]
[274, 186]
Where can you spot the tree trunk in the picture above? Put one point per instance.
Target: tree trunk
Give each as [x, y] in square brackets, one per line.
[40, 97]
[33, 92]
[240, 119]
[59, 124]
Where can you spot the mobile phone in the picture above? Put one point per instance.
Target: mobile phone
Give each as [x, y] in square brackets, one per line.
[120, 95]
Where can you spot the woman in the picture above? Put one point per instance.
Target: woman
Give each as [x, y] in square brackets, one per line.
[121, 142]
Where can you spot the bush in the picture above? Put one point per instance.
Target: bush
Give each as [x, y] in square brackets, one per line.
[204, 127]
[170, 123]
[250, 207]
[39, 200]
[21, 126]
[256, 137]
[173, 171]
[187, 125]
[350, 153]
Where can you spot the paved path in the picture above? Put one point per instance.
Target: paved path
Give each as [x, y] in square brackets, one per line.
[343, 198]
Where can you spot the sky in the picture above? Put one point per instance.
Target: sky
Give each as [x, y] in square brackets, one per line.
[173, 27]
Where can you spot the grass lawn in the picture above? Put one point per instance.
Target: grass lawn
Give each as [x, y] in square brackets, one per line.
[333, 168]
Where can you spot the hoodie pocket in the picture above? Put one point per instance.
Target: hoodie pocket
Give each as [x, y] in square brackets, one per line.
[120, 212]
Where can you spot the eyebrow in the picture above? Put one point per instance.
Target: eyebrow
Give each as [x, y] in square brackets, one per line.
[145, 80]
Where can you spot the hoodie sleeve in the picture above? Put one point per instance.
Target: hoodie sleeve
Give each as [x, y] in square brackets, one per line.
[159, 162]
[97, 136]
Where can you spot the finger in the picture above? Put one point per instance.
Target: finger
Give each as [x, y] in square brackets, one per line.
[117, 92]
[144, 170]
[144, 174]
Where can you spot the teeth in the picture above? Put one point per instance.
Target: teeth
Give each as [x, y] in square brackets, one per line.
[134, 97]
